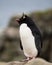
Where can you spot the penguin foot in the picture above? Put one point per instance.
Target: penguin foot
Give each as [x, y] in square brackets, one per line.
[27, 59]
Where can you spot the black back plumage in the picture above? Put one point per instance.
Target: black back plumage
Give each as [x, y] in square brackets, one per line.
[35, 31]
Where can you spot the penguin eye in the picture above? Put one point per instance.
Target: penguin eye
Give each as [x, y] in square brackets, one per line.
[24, 17]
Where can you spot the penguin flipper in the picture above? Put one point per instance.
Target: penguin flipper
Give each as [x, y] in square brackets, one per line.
[21, 45]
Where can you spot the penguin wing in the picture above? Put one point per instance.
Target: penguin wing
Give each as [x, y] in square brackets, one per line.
[21, 45]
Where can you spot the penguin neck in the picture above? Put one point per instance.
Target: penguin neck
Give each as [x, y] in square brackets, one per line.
[23, 25]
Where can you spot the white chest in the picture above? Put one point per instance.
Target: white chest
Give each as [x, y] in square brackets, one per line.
[28, 41]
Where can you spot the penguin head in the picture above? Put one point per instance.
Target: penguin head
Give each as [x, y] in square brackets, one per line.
[22, 19]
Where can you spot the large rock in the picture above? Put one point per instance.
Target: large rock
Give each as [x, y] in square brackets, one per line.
[37, 61]
[3, 63]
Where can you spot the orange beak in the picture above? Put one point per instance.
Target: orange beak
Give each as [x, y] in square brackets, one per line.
[17, 20]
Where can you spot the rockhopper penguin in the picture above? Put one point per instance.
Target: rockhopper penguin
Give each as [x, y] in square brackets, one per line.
[30, 37]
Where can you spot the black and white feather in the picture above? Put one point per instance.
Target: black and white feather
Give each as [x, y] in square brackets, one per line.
[35, 33]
